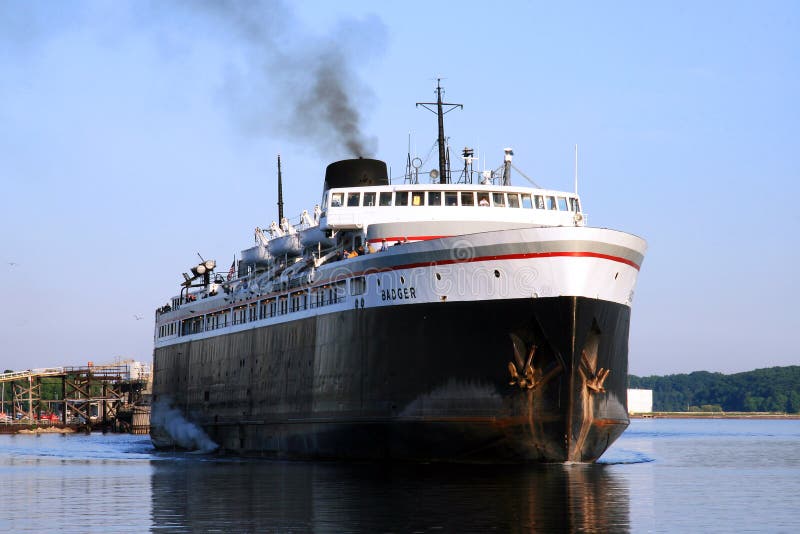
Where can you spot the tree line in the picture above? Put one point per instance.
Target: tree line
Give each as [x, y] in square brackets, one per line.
[774, 389]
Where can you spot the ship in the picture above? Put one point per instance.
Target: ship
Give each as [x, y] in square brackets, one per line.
[462, 320]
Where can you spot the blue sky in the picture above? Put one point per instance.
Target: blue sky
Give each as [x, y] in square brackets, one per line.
[135, 134]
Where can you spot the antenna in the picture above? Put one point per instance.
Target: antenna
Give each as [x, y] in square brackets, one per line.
[280, 191]
[444, 172]
[576, 169]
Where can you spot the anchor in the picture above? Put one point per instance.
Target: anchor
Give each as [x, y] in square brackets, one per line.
[522, 375]
[594, 381]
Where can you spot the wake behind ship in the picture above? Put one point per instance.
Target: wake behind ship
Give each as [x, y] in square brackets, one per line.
[451, 321]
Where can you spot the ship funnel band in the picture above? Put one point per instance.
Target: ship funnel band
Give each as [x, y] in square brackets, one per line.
[356, 173]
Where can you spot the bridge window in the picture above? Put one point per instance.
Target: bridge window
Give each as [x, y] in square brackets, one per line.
[434, 198]
[551, 203]
[369, 199]
[468, 198]
[337, 199]
[574, 204]
[499, 199]
[513, 200]
[526, 202]
[353, 199]
[483, 199]
[539, 201]
[401, 198]
[417, 198]
[451, 198]
[562, 203]
[386, 198]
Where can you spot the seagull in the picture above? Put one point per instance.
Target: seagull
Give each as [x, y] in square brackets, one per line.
[13, 263]
[138, 316]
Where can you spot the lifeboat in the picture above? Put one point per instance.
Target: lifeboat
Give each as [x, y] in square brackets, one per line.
[286, 245]
[313, 236]
[257, 255]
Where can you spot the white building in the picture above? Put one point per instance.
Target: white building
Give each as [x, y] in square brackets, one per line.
[640, 401]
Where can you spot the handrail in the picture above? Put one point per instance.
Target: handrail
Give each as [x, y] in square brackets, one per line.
[47, 371]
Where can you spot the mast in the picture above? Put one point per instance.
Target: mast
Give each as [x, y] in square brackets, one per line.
[509, 153]
[280, 191]
[444, 171]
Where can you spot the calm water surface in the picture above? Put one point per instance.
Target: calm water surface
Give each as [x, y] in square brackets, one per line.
[661, 476]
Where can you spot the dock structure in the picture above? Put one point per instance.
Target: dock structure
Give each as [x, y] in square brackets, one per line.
[91, 396]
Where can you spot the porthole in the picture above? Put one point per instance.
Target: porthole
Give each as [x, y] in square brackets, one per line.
[438, 276]
[496, 273]
[402, 280]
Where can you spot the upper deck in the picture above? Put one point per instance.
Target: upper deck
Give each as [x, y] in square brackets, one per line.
[350, 208]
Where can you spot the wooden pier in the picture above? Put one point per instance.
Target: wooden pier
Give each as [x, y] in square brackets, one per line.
[105, 397]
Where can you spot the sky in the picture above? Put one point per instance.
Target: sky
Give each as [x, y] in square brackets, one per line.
[134, 135]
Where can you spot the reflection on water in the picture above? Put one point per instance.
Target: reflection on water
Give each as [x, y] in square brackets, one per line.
[660, 476]
[251, 495]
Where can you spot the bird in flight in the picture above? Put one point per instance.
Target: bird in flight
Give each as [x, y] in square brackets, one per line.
[138, 316]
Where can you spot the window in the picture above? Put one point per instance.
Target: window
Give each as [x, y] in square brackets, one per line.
[358, 286]
[562, 203]
[386, 198]
[526, 202]
[417, 198]
[337, 199]
[369, 199]
[434, 198]
[551, 203]
[319, 297]
[262, 309]
[539, 202]
[499, 199]
[483, 199]
[401, 198]
[353, 199]
[468, 199]
[283, 305]
[273, 308]
[339, 291]
[513, 200]
[298, 301]
[451, 198]
[574, 204]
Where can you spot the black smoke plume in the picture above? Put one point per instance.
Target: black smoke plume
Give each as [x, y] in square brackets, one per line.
[304, 85]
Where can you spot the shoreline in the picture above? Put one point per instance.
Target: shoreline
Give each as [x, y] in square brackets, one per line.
[18, 428]
[714, 415]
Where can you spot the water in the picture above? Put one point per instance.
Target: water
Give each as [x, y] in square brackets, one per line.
[661, 476]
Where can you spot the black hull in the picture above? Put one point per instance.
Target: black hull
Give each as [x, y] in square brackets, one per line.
[426, 382]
